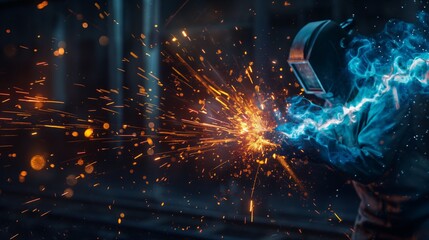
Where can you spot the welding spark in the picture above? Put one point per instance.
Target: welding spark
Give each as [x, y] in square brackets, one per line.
[217, 115]
[227, 116]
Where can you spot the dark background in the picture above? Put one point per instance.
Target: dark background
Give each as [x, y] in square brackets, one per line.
[186, 205]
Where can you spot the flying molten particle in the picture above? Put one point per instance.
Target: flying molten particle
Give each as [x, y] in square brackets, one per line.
[37, 162]
[88, 132]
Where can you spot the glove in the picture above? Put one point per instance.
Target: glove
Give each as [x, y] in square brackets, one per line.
[305, 147]
[314, 150]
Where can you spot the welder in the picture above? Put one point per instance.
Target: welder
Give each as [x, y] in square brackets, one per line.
[382, 149]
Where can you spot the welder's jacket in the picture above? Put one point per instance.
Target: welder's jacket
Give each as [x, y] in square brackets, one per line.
[384, 149]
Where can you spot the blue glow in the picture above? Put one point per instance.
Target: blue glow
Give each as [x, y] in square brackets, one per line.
[386, 70]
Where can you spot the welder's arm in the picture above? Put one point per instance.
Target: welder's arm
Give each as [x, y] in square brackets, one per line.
[377, 144]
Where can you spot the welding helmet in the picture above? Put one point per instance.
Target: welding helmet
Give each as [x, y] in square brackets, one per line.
[317, 58]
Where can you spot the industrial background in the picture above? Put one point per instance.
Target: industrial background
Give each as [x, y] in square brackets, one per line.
[68, 44]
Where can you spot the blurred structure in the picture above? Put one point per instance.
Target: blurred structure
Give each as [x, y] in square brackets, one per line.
[89, 43]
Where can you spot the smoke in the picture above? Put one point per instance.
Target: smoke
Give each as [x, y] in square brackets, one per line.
[387, 67]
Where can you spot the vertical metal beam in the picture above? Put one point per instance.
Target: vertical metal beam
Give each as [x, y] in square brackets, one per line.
[151, 58]
[115, 53]
[151, 64]
[59, 70]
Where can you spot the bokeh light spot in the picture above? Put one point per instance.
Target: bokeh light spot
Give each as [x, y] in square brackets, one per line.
[88, 132]
[37, 162]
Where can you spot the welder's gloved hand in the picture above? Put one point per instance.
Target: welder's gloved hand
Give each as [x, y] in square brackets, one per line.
[285, 147]
[313, 148]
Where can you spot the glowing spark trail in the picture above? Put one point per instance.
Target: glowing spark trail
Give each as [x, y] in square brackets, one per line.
[238, 120]
[206, 112]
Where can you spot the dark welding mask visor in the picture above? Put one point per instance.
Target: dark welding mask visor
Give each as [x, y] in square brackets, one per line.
[317, 58]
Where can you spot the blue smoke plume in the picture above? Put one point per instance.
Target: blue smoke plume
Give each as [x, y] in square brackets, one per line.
[390, 66]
